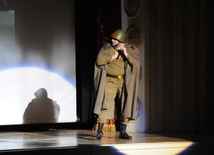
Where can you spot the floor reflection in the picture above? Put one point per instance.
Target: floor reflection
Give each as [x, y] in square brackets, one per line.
[85, 141]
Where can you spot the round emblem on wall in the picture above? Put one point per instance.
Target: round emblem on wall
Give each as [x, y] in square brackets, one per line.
[131, 7]
[132, 36]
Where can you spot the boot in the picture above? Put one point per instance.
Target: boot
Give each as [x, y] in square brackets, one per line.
[123, 134]
[99, 131]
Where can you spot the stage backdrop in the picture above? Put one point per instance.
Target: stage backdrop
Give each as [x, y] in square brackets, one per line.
[37, 62]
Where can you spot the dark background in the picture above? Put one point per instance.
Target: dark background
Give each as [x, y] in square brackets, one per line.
[95, 21]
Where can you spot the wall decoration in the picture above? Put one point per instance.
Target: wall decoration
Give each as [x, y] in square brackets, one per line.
[132, 35]
[132, 7]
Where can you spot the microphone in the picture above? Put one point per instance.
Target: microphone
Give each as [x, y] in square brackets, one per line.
[119, 51]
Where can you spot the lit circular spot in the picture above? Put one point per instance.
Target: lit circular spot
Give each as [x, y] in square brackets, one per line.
[18, 86]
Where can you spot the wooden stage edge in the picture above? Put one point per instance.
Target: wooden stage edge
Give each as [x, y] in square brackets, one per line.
[83, 142]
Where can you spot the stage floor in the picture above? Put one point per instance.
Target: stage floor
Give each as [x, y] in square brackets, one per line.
[84, 142]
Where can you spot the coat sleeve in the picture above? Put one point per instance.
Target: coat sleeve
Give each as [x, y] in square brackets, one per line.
[131, 85]
[99, 81]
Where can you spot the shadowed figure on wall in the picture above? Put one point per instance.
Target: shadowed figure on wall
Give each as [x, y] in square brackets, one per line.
[41, 109]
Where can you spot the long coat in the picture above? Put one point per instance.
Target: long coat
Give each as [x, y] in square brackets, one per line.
[131, 81]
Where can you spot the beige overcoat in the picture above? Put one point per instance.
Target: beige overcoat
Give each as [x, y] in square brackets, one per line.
[131, 81]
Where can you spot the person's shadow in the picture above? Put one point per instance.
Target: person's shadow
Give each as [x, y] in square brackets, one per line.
[41, 109]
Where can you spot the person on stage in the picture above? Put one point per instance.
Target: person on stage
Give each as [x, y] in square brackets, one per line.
[116, 75]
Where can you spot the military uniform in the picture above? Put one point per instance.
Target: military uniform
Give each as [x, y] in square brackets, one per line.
[117, 77]
[114, 81]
